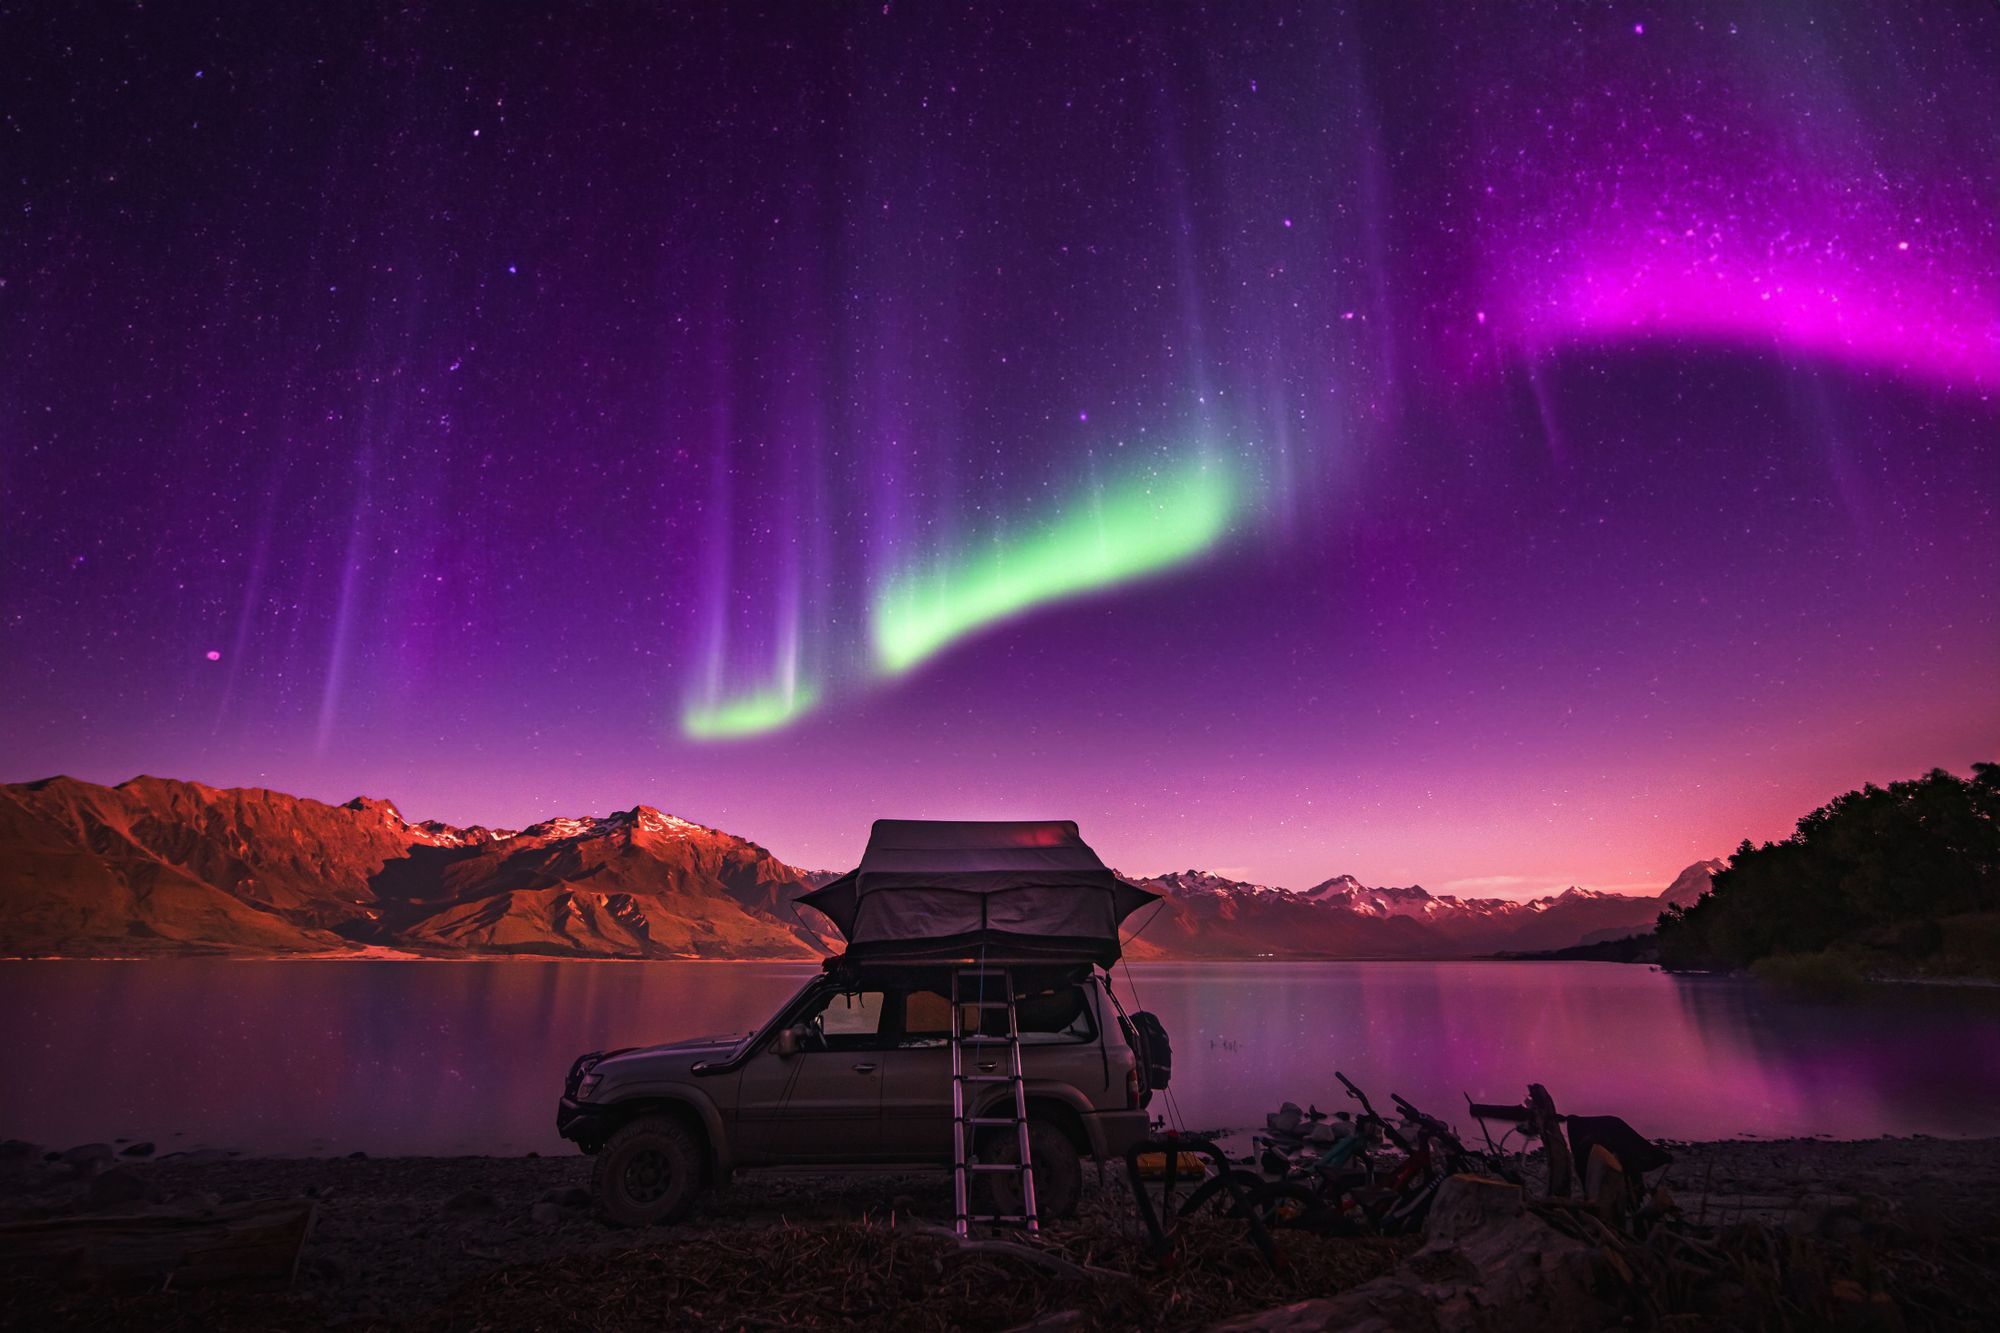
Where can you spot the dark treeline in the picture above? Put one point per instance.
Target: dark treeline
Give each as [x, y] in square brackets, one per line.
[1903, 878]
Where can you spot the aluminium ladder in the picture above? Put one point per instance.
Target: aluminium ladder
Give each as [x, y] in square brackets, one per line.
[983, 983]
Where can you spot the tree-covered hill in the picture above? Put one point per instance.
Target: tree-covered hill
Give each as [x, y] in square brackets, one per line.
[1896, 879]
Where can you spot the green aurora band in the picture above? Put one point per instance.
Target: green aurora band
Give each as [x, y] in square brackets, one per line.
[1140, 525]
[747, 714]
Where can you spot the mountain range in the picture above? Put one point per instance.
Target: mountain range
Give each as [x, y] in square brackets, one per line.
[156, 867]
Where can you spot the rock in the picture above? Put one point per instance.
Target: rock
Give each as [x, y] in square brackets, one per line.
[1488, 1266]
[573, 1197]
[472, 1201]
[19, 1160]
[86, 1157]
[357, 1156]
[1464, 1204]
[143, 1148]
[545, 1214]
[116, 1186]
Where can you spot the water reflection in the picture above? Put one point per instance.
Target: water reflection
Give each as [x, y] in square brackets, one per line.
[443, 1058]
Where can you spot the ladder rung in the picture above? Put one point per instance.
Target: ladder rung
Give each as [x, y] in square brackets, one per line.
[990, 1122]
[976, 1039]
[990, 1168]
[986, 1078]
[985, 1004]
[998, 1217]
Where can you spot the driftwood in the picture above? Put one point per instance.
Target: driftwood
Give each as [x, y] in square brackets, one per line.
[257, 1241]
[1043, 1259]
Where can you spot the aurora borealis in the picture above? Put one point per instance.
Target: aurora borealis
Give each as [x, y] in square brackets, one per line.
[1136, 527]
[1495, 447]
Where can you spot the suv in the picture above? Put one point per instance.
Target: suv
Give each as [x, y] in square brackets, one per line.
[855, 1071]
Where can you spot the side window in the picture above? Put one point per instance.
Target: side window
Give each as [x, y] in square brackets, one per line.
[1058, 1016]
[1061, 1015]
[847, 1022]
[926, 1018]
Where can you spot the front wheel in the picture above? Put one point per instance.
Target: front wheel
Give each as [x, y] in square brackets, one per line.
[648, 1173]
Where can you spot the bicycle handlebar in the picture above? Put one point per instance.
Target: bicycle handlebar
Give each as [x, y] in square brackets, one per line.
[1489, 1111]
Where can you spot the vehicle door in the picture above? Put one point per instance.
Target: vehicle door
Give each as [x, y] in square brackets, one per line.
[823, 1103]
[916, 1080]
[1058, 1043]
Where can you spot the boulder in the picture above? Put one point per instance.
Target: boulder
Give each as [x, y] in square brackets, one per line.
[117, 1186]
[1489, 1265]
[143, 1148]
[19, 1161]
[545, 1214]
[86, 1157]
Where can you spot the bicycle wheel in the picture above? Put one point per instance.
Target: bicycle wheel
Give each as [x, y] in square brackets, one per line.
[1213, 1195]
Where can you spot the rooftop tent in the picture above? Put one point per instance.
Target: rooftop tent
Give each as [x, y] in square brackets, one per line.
[1019, 887]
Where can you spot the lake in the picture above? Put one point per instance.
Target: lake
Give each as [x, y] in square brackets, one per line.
[468, 1057]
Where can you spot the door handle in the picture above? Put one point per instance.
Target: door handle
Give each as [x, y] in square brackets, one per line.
[986, 1066]
[865, 1067]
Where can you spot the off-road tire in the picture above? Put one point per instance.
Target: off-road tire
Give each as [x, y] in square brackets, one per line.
[648, 1173]
[1058, 1171]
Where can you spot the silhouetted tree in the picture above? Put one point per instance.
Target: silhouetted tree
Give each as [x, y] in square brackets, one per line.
[1880, 867]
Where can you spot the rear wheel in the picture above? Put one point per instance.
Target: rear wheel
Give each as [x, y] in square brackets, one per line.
[1214, 1196]
[648, 1173]
[1058, 1171]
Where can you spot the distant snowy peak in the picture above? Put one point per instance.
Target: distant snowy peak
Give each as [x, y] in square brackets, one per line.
[430, 833]
[1339, 887]
[640, 819]
[1692, 883]
[1350, 894]
[1202, 883]
[440, 834]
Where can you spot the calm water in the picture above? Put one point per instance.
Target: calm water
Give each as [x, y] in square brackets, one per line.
[468, 1057]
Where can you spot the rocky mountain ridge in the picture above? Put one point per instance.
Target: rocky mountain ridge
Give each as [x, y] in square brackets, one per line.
[1409, 921]
[156, 867]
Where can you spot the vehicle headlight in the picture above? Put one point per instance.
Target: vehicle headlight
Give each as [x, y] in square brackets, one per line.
[588, 1084]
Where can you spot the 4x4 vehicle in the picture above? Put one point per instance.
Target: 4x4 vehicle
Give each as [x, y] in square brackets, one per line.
[855, 1071]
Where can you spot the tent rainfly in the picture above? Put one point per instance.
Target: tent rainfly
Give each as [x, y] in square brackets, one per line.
[936, 888]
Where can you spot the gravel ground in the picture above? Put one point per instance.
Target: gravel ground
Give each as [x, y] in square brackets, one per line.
[398, 1240]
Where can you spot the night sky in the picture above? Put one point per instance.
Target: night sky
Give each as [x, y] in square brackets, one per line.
[1498, 447]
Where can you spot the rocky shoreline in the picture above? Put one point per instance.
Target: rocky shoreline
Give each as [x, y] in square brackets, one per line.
[442, 1242]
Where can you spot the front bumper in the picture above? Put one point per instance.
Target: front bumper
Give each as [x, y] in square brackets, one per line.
[583, 1123]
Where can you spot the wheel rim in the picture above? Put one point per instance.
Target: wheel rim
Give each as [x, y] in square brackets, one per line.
[647, 1176]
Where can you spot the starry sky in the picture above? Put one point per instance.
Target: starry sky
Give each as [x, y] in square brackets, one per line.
[1496, 447]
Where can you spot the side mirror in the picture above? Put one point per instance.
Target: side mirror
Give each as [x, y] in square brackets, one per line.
[788, 1041]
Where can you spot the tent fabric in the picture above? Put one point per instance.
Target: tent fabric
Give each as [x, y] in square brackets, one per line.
[1024, 887]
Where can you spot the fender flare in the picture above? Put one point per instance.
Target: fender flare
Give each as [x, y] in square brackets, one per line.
[672, 1097]
[1063, 1095]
